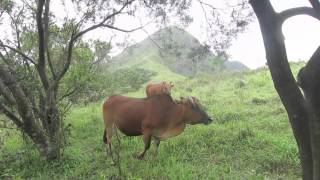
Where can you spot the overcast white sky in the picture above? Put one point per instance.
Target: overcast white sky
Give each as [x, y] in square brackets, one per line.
[301, 33]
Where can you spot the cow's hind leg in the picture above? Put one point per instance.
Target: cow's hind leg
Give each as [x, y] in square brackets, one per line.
[147, 142]
[156, 143]
[109, 130]
[106, 140]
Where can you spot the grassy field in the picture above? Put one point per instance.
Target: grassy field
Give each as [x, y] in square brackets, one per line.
[250, 139]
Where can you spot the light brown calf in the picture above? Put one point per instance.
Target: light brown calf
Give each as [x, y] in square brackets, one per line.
[157, 89]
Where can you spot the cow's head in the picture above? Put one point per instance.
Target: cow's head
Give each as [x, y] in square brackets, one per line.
[194, 111]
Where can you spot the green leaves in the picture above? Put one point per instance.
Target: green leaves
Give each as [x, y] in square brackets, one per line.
[6, 5]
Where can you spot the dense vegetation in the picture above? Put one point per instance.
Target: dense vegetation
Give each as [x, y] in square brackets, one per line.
[47, 68]
[250, 138]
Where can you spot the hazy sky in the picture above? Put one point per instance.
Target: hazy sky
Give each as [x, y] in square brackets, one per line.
[301, 33]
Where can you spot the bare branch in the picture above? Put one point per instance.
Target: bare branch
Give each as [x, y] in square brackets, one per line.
[104, 20]
[205, 13]
[122, 30]
[284, 15]
[18, 51]
[209, 5]
[75, 36]
[29, 6]
[15, 24]
[149, 37]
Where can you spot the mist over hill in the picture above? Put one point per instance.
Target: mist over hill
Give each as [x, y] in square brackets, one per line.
[174, 49]
[235, 66]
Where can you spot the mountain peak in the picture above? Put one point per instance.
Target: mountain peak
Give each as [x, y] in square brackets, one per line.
[174, 48]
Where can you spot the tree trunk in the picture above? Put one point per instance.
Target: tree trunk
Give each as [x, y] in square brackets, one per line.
[47, 142]
[309, 81]
[284, 82]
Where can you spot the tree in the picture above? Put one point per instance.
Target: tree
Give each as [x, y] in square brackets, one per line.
[34, 63]
[303, 109]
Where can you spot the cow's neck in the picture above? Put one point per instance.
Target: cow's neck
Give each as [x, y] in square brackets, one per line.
[184, 115]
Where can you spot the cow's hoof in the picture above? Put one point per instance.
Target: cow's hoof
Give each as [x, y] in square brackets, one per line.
[138, 156]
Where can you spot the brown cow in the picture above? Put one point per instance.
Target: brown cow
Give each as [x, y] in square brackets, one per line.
[161, 88]
[158, 117]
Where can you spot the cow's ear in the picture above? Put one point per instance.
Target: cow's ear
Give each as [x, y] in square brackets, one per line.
[191, 100]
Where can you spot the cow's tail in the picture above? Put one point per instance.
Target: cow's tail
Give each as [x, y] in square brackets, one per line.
[105, 119]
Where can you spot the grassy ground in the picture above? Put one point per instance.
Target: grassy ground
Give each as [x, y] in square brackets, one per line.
[250, 139]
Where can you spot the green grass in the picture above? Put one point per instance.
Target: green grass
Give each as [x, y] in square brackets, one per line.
[250, 139]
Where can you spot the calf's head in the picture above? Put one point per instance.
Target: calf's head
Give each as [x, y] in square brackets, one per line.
[166, 87]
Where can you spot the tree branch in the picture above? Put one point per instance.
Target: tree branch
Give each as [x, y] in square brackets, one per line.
[42, 46]
[211, 6]
[103, 21]
[18, 51]
[75, 36]
[152, 40]
[68, 60]
[46, 33]
[284, 15]
[70, 92]
[11, 115]
[5, 59]
[122, 30]
[6, 93]
[15, 24]
[23, 105]
[29, 6]
[205, 13]
[316, 5]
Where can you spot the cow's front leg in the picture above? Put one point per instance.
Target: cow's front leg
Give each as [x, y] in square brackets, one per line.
[147, 141]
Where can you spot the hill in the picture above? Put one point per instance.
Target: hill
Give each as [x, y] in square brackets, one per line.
[250, 139]
[171, 48]
[235, 66]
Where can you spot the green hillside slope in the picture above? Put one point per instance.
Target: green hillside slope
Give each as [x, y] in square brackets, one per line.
[250, 138]
[175, 49]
